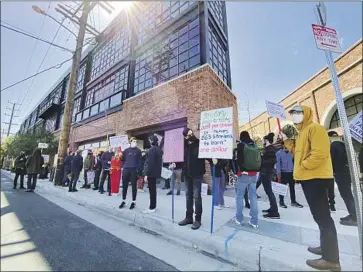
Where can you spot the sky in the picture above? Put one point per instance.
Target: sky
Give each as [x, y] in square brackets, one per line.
[272, 49]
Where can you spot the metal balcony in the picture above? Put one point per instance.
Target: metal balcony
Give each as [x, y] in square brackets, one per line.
[49, 107]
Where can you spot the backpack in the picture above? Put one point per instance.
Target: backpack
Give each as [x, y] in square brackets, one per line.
[250, 158]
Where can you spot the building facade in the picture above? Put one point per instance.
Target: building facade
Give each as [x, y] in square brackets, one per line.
[153, 71]
[318, 93]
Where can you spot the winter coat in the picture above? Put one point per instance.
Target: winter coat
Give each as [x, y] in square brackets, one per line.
[339, 157]
[34, 162]
[90, 162]
[19, 165]
[68, 164]
[193, 166]
[98, 163]
[105, 158]
[268, 159]
[132, 158]
[154, 162]
[77, 164]
[311, 150]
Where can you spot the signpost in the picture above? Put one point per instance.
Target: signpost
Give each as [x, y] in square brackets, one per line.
[278, 111]
[216, 141]
[332, 45]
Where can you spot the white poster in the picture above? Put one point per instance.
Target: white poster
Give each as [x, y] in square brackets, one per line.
[279, 188]
[216, 134]
[276, 110]
[119, 141]
[355, 127]
[166, 173]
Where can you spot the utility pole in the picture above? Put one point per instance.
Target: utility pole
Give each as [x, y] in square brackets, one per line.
[12, 116]
[67, 117]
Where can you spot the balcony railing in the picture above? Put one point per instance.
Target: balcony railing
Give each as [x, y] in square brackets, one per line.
[49, 107]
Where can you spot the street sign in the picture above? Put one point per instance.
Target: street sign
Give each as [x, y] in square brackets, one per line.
[276, 110]
[355, 127]
[326, 38]
[42, 145]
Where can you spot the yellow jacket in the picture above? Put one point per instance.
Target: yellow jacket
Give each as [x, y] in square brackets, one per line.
[311, 150]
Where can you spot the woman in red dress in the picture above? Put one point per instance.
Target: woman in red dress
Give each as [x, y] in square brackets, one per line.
[115, 172]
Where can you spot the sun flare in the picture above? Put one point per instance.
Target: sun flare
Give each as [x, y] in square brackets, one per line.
[120, 5]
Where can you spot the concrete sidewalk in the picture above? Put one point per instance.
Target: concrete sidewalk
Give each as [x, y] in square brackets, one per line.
[276, 245]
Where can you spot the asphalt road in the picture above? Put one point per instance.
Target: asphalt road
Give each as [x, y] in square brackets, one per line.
[39, 235]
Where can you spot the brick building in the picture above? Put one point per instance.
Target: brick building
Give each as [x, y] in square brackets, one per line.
[318, 93]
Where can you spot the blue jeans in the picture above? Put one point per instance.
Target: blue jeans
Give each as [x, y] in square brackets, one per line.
[219, 186]
[244, 182]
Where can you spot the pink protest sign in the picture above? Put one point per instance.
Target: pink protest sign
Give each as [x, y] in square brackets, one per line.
[174, 145]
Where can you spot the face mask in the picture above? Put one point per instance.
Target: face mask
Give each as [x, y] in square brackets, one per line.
[133, 145]
[297, 118]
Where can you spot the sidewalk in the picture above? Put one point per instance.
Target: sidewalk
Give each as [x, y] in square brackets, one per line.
[276, 245]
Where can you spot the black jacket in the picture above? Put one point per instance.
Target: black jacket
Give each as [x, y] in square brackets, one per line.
[268, 159]
[68, 164]
[34, 162]
[98, 164]
[154, 162]
[106, 157]
[339, 157]
[220, 167]
[19, 165]
[77, 164]
[193, 166]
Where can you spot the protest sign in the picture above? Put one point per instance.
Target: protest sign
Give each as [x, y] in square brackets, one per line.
[216, 134]
[174, 145]
[166, 173]
[276, 110]
[119, 141]
[355, 127]
[278, 188]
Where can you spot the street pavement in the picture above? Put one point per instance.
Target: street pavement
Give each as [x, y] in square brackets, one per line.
[276, 245]
[38, 235]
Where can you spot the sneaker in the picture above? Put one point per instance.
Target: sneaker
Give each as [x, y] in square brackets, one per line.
[95, 189]
[169, 193]
[140, 190]
[271, 215]
[178, 192]
[185, 222]
[22, 187]
[237, 222]
[282, 205]
[218, 207]
[266, 211]
[332, 208]
[315, 250]
[69, 190]
[122, 205]
[297, 205]
[254, 226]
[321, 264]
[196, 225]
[74, 190]
[132, 206]
[225, 206]
[349, 222]
[149, 211]
[29, 190]
[346, 218]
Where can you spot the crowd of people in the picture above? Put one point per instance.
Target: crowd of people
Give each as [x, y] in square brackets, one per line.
[311, 159]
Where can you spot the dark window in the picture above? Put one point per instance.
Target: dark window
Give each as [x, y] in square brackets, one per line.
[194, 61]
[79, 117]
[115, 100]
[217, 55]
[86, 113]
[94, 110]
[216, 9]
[353, 106]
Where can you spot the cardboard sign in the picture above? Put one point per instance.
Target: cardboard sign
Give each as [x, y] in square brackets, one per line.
[216, 134]
[355, 127]
[276, 110]
[326, 38]
[119, 141]
[42, 145]
[204, 191]
[174, 146]
[279, 188]
[166, 173]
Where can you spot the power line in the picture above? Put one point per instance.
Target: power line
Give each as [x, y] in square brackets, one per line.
[38, 73]
[39, 39]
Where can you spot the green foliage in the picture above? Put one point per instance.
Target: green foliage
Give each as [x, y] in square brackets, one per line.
[290, 131]
[27, 142]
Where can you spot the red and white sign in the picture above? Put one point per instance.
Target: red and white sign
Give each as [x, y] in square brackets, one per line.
[326, 38]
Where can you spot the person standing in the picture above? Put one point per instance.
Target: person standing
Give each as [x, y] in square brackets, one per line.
[193, 177]
[266, 174]
[141, 174]
[246, 163]
[131, 163]
[115, 172]
[89, 164]
[98, 169]
[67, 168]
[342, 177]
[76, 169]
[153, 165]
[106, 163]
[176, 177]
[220, 180]
[313, 169]
[20, 170]
[33, 167]
[284, 170]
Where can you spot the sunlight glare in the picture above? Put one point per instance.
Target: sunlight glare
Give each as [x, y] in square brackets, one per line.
[120, 5]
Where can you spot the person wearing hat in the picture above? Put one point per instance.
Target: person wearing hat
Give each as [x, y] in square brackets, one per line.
[342, 177]
[152, 170]
[194, 170]
[266, 174]
[131, 163]
[313, 169]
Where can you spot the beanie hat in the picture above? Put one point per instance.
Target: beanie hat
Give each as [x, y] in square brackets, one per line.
[185, 131]
[244, 136]
[154, 140]
[270, 137]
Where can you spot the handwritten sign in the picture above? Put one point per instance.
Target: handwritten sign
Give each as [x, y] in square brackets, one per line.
[216, 134]
[119, 141]
[355, 127]
[166, 173]
[174, 145]
[276, 110]
[279, 188]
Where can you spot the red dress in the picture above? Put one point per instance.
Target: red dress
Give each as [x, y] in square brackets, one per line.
[115, 171]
